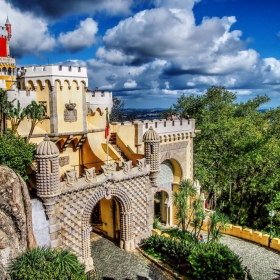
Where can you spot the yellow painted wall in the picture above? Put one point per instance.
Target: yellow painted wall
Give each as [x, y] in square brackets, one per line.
[174, 209]
[126, 133]
[43, 95]
[74, 160]
[107, 217]
[63, 97]
[177, 171]
[163, 209]
[94, 154]
[96, 119]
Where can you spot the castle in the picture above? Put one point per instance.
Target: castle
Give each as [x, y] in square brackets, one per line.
[85, 184]
[7, 64]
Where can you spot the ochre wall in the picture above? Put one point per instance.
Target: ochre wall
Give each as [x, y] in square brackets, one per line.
[64, 96]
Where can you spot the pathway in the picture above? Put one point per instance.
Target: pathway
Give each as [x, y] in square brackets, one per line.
[113, 263]
[260, 260]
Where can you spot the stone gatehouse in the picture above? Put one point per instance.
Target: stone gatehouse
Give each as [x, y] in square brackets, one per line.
[87, 183]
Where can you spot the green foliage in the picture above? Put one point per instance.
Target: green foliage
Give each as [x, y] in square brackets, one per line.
[46, 264]
[216, 222]
[181, 201]
[16, 114]
[156, 223]
[5, 106]
[198, 260]
[214, 261]
[116, 114]
[37, 114]
[237, 155]
[15, 152]
[169, 248]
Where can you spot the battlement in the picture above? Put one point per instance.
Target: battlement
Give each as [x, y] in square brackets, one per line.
[7, 60]
[53, 74]
[3, 32]
[169, 127]
[99, 99]
[52, 70]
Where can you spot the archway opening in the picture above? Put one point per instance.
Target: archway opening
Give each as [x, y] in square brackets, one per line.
[161, 207]
[105, 219]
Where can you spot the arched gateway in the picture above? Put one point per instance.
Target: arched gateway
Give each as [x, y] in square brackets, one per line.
[69, 203]
[108, 191]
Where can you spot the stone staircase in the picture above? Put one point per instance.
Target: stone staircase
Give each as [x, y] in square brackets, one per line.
[113, 142]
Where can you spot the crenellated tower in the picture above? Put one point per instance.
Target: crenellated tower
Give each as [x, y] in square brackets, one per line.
[7, 64]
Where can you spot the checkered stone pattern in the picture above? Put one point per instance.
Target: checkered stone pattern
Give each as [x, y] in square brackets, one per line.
[139, 193]
[70, 218]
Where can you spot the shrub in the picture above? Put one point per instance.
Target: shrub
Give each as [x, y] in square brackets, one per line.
[168, 248]
[15, 152]
[214, 261]
[46, 264]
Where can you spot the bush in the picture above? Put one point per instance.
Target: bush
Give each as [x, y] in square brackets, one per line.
[168, 248]
[214, 261]
[15, 152]
[46, 264]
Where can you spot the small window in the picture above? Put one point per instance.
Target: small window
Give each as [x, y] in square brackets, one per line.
[146, 125]
[50, 166]
[60, 68]
[102, 94]
[155, 124]
[93, 94]
[79, 69]
[88, 108]
[70, 68]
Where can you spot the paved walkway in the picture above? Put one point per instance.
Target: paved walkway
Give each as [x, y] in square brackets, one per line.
[260, 260]
[113, 263]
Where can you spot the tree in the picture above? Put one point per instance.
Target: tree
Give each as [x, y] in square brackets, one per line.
[16, 115]
[181, 201]
[216, 222]
[116, 112]
[5, 106]
[237, 154]
[36, 113]
[15, 152]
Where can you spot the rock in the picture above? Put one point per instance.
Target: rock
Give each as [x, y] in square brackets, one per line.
[16, 233]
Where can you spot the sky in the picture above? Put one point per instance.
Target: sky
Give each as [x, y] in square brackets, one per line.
[150, 52]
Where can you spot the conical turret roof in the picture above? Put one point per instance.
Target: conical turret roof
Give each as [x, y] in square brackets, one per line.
[47, 148]
[151, 135]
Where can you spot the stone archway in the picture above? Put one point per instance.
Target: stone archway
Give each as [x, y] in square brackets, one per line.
[107, 191]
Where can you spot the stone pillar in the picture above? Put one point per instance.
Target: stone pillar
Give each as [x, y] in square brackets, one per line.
[87, 259]
[127, 241]
[84, 108]
[138, 136]
[53, 109]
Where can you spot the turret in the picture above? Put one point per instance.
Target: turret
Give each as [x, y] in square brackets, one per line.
[8, 28]
[152, 153]
[47, 174]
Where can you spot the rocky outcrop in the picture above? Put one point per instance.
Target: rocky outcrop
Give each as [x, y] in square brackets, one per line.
[16, 233]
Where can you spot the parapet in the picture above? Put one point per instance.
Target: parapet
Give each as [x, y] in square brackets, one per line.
[53, 73]
[99, 100]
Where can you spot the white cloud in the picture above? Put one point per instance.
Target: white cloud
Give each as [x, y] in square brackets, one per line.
[30, 34]
[130, 84]
[80, 38]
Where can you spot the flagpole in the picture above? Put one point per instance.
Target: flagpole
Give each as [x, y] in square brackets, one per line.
[107, 148]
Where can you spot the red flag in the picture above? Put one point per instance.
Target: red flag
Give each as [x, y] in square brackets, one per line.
[107, 127]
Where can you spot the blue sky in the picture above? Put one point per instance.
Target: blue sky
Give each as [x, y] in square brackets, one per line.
[150, 52]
